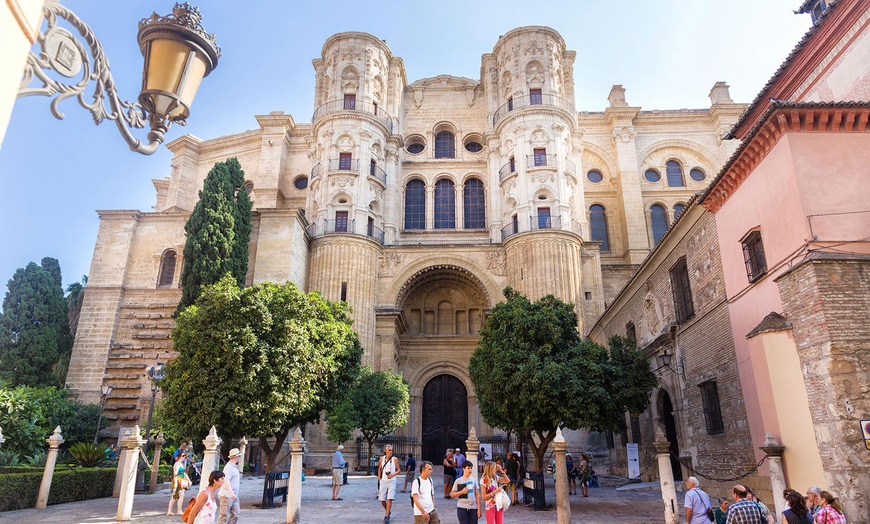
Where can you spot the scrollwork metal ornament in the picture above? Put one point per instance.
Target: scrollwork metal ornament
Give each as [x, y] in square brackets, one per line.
[83, 60]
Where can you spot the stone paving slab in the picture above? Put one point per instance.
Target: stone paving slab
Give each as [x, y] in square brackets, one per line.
[359, 505]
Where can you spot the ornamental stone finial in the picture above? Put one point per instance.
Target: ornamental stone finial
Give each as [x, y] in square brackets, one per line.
[559, 436]
[56, 439]
[472, 435]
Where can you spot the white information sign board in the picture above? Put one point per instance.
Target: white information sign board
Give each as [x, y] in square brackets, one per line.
[633, 460]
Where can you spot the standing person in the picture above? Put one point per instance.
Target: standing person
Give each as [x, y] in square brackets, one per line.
[449, 472]
[481, 459]
[571, 468]
[697, 503]
[423, 495]
[583, 476]
[180, 483]
[460, 461]
[338, 464]
[182, 448]
[831, 512]
[388, 468]
[489, 486]
[229, 493]
[204, 510]
[410, 469]
[467, 490]
[743, 511]
[814, 499]
[721, 512]
[797, 512]
[512, 468]
[765, 511]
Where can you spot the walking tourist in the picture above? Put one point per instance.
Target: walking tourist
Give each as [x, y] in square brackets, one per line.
[797, 512]
[410, 471]
[831, 512]
[460, 460]
[512, 468]
[388, 468]
[697, 503]
[204, 510]
[449, 462]
[466, 490]
[743, 511]
[583, 476]
[338, 464]
[721, 513]
[481, 459]
[229, 493]
[423, 496]
[180, 483]
[491, 483]
[571, 467]
[765, 511]
[814, 499]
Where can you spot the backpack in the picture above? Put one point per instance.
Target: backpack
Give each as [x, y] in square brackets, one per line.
[411, 496]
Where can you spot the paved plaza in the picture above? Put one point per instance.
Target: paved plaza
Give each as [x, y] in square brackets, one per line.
[605, 505]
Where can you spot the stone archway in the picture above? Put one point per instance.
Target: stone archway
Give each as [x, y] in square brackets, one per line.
[669, 423]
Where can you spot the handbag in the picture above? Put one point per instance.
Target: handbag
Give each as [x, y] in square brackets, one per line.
[188, 509]
[502, 501]
[184, 483]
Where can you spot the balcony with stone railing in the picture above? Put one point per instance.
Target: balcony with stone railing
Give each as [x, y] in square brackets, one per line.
[355, 106]
[537, 100]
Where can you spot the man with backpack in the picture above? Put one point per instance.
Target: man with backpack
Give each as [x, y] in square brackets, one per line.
[423, 497]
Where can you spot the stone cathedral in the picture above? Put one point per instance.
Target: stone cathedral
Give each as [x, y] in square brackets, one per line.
[417, 203]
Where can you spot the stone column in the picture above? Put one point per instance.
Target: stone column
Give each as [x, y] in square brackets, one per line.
[210, 457]
[563, 503]
[243, 447]
[774, 450]
[666, 475]
[131, 445]
[155, 462]
[294, 488]
[472, 447]
[54, 442]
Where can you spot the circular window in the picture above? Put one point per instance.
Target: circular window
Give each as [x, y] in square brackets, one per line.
[594, 176]
[652, 175]
[301, 182]
[415, 144]
[416, 148]
[697, 175]
[473, 147]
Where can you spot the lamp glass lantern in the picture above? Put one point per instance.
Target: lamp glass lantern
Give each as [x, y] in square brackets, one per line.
[665, 360]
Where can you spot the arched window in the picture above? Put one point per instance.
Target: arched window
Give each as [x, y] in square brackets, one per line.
[445, 145]
[598, 225]
[675, 174]
[678, 210]
[415, 205]
[659, 220]
[474, 204]
[445, 204]
[167, 269]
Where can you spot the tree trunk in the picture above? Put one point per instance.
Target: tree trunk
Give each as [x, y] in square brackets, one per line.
[272, 453]
[539, 448]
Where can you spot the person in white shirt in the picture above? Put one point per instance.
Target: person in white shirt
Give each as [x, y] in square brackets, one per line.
[229, 492]
[423, 495]
[388, 468]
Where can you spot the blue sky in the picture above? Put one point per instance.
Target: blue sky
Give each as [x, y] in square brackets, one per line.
[55, 174]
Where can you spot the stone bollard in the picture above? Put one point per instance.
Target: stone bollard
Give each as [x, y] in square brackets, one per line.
[243, 448]
[116, 489]
[666, 476]
[155, 462]
[472, 447]
[774, 450]
[210, 457]
[563, 503]
[2, 440]
[131, 446]
[54, 442]
[294, 488]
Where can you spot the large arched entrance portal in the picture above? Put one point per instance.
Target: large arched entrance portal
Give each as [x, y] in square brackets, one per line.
[666, 409]
[445, 417]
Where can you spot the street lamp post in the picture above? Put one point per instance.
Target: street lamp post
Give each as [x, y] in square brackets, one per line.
[178, 54]
[104, 395]
[155, 373]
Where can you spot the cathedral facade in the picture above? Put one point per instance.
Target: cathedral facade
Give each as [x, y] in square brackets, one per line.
[417, 203]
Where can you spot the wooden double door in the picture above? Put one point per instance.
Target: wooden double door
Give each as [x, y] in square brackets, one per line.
[445, 417]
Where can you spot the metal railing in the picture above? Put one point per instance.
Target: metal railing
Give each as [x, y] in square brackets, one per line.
[531, 100]
[378, 174]
[545, 222]
[316, 171]
[538, 222]
[345, 226]
[541, 161]
[506, 171]
[343, 164]
[401, 447]
[361, 106]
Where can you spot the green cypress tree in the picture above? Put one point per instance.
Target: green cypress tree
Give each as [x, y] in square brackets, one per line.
[34, 326]
[218, 232]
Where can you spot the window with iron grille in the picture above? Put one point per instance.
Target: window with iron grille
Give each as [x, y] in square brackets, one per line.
[712, 411]
[630, 331]
[753, 255]
[535, 97]
[635, 429]
[675, 174]
[659, 220]
[350, 101]
[598, 225]
[167, 269]
[474, 202]
[415, 205]
[683, 306]
[445, 145]
[445, 204]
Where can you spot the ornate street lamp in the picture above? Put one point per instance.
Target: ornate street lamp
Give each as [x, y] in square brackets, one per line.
[155, 373]
[104, 395]
[178, 53]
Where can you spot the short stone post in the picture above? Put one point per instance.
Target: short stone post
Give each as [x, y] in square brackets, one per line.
[131, 446]
[294, 488]
[210, 457]
[472, 447]
[155, 462]
[2, 440]
[54, 442]
[774, 450]
[119, 473]
[666, 476]
[563, 503]
[243, 448]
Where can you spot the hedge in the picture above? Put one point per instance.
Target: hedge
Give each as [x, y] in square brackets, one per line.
[19, 490]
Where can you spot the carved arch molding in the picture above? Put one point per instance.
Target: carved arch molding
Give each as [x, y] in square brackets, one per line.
[443, 300]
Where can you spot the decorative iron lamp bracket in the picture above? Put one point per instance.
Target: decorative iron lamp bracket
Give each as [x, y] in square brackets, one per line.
[166, 94]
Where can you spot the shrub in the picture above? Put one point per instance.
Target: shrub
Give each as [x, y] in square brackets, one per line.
[19, 490]
[89, 455]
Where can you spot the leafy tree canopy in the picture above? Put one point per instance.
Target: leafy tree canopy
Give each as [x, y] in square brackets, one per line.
[533, 373]
[257, 361]
[34, 326]
[218, 232]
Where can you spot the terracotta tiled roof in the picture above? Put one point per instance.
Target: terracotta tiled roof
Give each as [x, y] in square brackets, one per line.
[772, 322]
